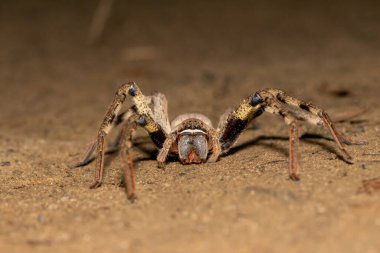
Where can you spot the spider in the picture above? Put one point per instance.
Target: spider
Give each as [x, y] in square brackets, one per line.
[192, 137]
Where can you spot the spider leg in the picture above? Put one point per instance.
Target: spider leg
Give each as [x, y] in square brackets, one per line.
[160, 111]
[314, 115]
[293, 151]
[88, 155]
[291, 109]
[126, 157]
[159, 106]
[121, 118]
[348, 141]
[216, 148]
[164, 151]
[160, 115]
[106, 126]
[233, 122]
[337, 137]
[223, 118]
[144, 118]
[290, 118]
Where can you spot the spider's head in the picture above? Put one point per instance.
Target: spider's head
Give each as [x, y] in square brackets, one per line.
[192, 137]
[192, 146]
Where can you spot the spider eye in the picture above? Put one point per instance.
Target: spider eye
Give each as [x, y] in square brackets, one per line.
[255, 100]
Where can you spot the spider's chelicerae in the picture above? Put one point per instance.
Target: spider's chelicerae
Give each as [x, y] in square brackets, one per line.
[192, 137]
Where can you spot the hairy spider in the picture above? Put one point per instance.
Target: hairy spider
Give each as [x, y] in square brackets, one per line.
[192, 137]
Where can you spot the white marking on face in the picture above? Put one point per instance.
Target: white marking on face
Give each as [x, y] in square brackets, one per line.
[192, 131]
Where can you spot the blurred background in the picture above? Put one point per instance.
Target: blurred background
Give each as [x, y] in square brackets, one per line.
[66, 58]
[62, 61]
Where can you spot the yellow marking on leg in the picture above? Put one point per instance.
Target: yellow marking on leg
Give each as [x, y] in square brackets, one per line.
[151, 127]
[142, 105]
[245, 110]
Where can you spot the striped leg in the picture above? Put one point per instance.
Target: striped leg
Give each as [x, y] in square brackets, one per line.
[273, 106]
[126, 157]
[233, 122]
[142, 114]
[159, 106]
[314, 115]
[293, 152]
[106, 127]
[88, 155]
[252, 107]
[292, 110]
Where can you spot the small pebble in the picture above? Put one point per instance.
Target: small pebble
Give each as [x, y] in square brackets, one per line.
[6, 163]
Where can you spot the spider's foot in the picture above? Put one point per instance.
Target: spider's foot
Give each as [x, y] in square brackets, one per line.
[212, 159]
[78, 164]
[348, 159]
[73, 165]
[355, 142]
[294, 177]
[132, 197]
[349, 141]
[161, 165]
[95, 185]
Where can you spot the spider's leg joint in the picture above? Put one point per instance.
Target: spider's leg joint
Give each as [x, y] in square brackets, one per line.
[305, 106]
[141, 121]
[255, 100]
[132, 90]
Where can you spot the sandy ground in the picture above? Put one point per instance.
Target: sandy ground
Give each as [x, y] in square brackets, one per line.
[55, 89]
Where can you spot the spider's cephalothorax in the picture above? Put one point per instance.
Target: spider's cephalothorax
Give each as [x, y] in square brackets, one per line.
[192, 137]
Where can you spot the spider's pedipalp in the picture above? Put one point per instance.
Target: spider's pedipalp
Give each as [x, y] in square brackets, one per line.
[164, 151]
[216, 146]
